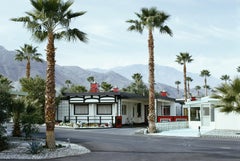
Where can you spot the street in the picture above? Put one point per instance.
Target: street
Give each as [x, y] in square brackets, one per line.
[120, 147]
[114, 145]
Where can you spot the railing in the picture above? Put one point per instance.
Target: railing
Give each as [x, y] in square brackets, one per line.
[90, 119]
[171, 118]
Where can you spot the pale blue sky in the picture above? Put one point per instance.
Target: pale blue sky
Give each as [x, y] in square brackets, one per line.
[208, 30]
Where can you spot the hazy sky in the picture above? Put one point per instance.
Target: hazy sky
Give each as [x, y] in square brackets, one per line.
[208, 29]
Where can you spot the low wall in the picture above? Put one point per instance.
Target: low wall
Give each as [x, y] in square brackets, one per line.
[165, 126]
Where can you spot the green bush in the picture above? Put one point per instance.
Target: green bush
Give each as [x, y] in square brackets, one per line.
[3, 139]
[29, 130]
[3, 143]
[35, 147]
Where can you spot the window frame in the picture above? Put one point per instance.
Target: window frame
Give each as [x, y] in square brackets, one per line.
[99, 106]
[79, 106]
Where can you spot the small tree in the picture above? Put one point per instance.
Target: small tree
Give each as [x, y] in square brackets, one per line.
[5, 104]
[106, 86]
[228, 94]
[90, 79]
[138, 86]
[17, 109]
[35, 87]
[30, 118]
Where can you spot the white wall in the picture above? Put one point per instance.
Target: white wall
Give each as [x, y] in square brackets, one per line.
[62, 110]
[131, 114]
[227, 121]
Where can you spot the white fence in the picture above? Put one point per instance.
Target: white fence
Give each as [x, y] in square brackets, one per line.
[165, 126]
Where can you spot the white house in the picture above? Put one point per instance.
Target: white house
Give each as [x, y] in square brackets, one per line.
[203, 113]
[113, 107]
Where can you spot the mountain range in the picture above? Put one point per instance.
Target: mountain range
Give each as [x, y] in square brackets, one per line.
[119, 76]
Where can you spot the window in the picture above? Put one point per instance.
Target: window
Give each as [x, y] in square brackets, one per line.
[124, 110]
[206, 111]
[104, 109]
[166, 111]
[195, 114]
[139, 110]
[81, 109]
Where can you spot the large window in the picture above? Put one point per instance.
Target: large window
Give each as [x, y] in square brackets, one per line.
[195, 114]
[104, 109]
[81, 109]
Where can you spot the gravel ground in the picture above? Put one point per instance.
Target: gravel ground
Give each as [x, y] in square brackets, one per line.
[19, 150]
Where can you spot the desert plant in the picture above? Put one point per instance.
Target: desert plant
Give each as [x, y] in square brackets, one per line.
[35, 147]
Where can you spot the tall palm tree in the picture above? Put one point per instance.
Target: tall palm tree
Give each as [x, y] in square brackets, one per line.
[189, 79]
[205, 73]
[50, 20]
[225, 78]
[177, 84]
[28, 53]
[150, 18]
[183, 59]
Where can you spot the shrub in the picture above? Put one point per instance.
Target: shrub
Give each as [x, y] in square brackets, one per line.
[3, 139]
[30, 129]
[35, 147]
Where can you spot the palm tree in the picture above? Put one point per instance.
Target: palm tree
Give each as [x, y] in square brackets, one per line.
[197, 88]
[90, 79]
[189, 79]
[238, 69]
[229, 96]
[150, 18]
[50, 20]
[183, 59]
[177, 84]
[205, 73]
[106, 86]
[225, 78]
[17, 109]
[68, 83]
[28, 53]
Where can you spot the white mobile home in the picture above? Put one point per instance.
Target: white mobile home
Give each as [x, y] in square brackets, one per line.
[112, 107]
[203, 113]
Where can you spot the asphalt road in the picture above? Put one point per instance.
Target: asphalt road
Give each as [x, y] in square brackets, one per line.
[113, 145]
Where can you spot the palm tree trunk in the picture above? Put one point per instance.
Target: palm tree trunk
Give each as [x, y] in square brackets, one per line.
[205, 82]
[28, 69]
[50, 93]
[151, 116]
[185, 81]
